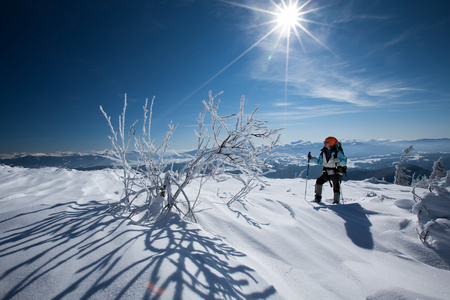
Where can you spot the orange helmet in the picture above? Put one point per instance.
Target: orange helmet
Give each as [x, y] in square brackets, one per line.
[332, 140]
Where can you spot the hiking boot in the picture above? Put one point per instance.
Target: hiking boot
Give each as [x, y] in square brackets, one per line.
[317, 198]
[337, 196]
[318, 193]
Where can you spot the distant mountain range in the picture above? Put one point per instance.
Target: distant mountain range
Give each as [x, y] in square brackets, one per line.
[373, 158]
[371, 148]
[70, 160]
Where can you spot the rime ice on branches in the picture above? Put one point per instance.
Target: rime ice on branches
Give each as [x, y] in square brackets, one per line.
[238, 145]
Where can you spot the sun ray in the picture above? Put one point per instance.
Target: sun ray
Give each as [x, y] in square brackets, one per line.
[250, 7]
[312, 22]
[286, 76]
[305, 12]
[303, 5]
[278, 40]
[316, 39]
[299, 39]
[225, 68]
[288, 18]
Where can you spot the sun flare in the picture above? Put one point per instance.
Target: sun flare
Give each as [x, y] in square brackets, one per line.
[288, 17]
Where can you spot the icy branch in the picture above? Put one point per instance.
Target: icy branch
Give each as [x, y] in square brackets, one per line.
[241, 150]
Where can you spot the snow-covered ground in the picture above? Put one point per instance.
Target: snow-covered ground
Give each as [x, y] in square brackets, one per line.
[59, 241]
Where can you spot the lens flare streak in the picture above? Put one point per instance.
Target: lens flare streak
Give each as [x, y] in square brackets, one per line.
[229, 65]
[288, 18]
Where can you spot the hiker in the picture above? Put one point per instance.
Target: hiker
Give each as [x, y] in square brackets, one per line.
[334, 161]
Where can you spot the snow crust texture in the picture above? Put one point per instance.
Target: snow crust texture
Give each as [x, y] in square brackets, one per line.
[59, 239]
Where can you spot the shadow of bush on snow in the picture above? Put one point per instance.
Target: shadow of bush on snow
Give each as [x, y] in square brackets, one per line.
[173, 255]
[181, 249]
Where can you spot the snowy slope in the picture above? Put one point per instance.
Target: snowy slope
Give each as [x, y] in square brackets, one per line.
[59, 241]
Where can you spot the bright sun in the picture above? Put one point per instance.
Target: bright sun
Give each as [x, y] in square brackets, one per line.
[288, 17]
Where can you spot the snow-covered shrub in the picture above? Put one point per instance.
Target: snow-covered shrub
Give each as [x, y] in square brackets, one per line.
[236, 144]
[230, 147]
[433, 213]
[121, 143]
[447, 179]
[438, 173]
[439, 170]
[151, 165]
[143, 185]
[421, 182]
[401, 178]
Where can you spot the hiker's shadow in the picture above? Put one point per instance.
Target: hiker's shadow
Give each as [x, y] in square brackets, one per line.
[357, 223]
[173, 257]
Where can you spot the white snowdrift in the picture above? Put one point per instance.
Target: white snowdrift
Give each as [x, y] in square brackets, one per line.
[60, 241]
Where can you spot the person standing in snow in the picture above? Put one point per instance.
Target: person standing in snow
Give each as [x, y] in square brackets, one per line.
[333, 159]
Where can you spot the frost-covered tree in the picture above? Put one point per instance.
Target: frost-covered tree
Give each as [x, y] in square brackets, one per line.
[152, 162]
[420, 181]
[230, 147]
[401, 177]
[236, 144]
[432, 211]
[438, 173]
[121, 143]
[439, 170]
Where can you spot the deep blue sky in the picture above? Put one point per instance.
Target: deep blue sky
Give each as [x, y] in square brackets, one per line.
[375, 69]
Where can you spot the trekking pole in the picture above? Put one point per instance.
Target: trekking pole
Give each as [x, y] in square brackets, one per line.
[307, 175]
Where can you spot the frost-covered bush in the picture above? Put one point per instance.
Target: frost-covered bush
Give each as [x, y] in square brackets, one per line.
[439, 170]
[421, 182]
[433, 213]
[401, 177]
[236, 144]
[239, 145]
[121, 143]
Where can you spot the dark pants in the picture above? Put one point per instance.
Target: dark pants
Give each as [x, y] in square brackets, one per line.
[334, 178]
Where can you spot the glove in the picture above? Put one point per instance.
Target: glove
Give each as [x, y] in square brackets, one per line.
[334, 159]
[309, 156]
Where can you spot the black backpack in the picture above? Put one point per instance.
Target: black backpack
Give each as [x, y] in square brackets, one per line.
[341, 169]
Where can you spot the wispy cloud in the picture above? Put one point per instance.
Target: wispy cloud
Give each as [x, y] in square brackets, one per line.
[297, 113]
[336, 82]
[407, 35]
[331, 84]
[340, 93]
[281, 104]
[378, 90]
[348, 14]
